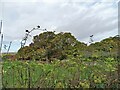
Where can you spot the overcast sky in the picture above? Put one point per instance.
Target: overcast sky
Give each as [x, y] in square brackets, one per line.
[80, 17]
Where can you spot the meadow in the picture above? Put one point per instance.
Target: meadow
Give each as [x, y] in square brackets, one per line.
[61, 61]
[74, 73]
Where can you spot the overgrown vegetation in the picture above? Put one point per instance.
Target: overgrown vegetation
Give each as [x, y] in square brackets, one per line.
[60, 61]
[48, 46]
[73, 73]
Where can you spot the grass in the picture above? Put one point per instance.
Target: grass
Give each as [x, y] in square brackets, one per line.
[73, 73]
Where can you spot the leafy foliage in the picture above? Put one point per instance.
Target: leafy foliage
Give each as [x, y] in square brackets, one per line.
[61, 74]
[47, 46]
[60, 61]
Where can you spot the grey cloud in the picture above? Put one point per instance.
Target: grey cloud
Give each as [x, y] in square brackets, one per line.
[80, 18]
[91, 22]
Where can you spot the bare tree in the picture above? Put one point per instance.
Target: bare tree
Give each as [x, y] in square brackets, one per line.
[23, 42]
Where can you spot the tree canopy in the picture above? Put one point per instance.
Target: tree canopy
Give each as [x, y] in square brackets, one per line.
[48, 46]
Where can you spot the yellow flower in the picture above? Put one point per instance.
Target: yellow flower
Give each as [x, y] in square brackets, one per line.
[4, 71]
